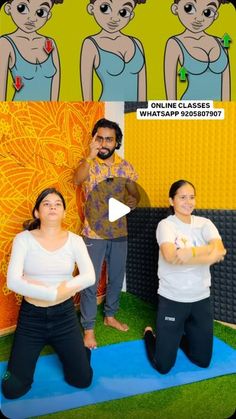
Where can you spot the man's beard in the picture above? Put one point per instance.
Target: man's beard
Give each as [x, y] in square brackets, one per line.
[107, 155]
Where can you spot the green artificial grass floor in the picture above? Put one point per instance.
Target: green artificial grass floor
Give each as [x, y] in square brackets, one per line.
[209, 399]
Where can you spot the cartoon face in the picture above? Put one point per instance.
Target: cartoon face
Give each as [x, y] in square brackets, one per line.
[112, 16]
[184, 200]
[196, 15]
[29, 15]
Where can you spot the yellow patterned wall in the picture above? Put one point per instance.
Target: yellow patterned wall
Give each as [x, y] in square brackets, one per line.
[200, 151]
[40, 145]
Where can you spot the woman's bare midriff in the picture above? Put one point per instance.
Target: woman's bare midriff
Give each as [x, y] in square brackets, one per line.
[42, 303]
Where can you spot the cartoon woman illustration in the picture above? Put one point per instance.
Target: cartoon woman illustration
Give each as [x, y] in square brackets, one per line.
[31, 58]
[117, 59]
[202, 57]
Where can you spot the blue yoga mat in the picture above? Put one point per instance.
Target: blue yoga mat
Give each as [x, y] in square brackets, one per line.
[120, 370]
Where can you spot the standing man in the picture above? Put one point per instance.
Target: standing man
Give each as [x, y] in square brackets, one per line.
[103, 174]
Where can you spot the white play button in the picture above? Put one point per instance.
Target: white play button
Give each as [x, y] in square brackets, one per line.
[116, 209]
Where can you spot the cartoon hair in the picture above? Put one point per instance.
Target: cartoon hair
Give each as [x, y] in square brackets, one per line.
[233, 2]
[34, 223]
[10, 1]
[105, 123]
[135, 2]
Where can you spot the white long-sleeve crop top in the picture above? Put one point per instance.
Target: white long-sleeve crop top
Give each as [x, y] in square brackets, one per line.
[29, 260]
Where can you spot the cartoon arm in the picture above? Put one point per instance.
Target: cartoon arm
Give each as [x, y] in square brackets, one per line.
[88, 58]
[6, 51]
[172, 56]
[226, 83]
[142, 78]
[57, 77]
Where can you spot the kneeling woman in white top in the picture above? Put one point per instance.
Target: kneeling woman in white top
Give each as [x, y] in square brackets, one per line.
[188, 245]
[41, 266]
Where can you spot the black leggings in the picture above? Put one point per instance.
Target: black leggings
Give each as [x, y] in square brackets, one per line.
[57, 326]
[185, 325]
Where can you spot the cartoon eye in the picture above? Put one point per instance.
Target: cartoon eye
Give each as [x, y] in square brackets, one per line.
[125, 13]
[189, 8]
[105, 8]
[22, 8]
[209, 13]
[42, 13]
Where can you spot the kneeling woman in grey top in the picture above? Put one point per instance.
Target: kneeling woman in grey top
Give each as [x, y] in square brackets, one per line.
[188, 245]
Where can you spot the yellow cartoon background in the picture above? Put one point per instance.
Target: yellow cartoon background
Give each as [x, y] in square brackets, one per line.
[153, 24]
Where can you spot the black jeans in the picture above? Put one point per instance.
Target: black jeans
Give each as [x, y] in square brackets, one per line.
[57, 326]
[185, 325]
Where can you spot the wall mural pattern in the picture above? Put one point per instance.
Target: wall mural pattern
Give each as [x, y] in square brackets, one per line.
[40, 145]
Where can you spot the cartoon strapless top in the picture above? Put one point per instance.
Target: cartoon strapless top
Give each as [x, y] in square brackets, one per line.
[33, 81]
[119, 78]
[204, 77]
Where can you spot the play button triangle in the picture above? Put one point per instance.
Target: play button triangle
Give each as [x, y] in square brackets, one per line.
[116, 209]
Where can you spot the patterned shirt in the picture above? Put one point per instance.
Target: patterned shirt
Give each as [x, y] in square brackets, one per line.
[104, 182]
